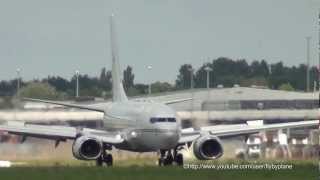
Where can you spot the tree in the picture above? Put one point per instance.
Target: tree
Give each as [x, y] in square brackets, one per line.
[88, 86]
[8, 88]
[225, 71]
[314, 74]
[132, 91]
[264, 68]
[286, 87]
[201, 77]
[242, 69]
[184, 77]
[259, 69]
[59, 83]
[229, 72]
[161, 87]
[128, 78]
[278, 75]
[224, 66]
[141, 88]
[105, 81]
[39, 90]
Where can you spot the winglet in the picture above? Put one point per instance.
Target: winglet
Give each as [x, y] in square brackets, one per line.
[118, 93]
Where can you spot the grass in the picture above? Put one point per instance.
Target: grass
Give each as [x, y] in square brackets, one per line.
[301, 170]
[72, 162]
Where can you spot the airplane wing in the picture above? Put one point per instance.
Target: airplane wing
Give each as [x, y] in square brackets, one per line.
[59, 132]
[87, 107]
[168, 102]
[189, 135]
[245, 115]
[177, 101]
[96, 106]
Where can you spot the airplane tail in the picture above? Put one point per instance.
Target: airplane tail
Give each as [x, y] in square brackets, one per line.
[118, 93]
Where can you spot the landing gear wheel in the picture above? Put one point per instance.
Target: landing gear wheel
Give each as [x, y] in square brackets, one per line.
[99, 161]
[108, 159]
[168, 160]
[161, 162]
[161, 159]
[179, 159]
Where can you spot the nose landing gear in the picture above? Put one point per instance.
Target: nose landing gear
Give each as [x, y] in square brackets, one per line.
[167, 158]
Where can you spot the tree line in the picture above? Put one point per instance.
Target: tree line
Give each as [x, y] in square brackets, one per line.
[228, 72]
[224, 71]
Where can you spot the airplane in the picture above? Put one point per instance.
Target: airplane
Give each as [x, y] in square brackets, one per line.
[138, 126]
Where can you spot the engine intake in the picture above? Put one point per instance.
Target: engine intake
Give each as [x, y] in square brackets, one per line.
[87, 148]
[207, 147]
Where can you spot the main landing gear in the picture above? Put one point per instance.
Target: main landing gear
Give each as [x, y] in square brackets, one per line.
[168, 158]
[105, 158]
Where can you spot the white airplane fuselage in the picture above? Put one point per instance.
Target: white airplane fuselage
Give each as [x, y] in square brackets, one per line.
[145, 126]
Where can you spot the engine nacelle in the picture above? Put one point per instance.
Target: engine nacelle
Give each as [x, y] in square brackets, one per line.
[87, 148]
[207, 147]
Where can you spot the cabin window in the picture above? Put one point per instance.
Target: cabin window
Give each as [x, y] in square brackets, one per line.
[171, 119]
[160, 120]
[153, 120]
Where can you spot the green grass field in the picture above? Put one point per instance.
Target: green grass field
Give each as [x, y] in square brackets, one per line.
[301, 170]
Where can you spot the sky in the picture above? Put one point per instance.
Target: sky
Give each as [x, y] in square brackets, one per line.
[45, 37]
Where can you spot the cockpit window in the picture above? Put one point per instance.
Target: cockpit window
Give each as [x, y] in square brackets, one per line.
[155, 120]
[162, 119]
[171, 119]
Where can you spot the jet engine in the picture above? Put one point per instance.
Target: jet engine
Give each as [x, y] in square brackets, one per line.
[87, 148]
[207, 147]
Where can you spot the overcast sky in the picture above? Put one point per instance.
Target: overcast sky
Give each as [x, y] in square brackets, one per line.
[46, 37]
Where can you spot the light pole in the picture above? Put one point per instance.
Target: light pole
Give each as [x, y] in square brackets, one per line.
[192, 95]
[149, 87]
[77, 83]
[18, 81]
[308, 63]
[208, 70]
[319, 52]
[191, 77]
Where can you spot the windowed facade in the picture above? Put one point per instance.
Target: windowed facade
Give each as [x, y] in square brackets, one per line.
[160, 120]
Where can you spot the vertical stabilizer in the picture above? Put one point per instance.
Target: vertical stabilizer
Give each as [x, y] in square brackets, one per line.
[118, 93]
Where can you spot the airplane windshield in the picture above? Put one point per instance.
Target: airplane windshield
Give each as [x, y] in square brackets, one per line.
[156, 120]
